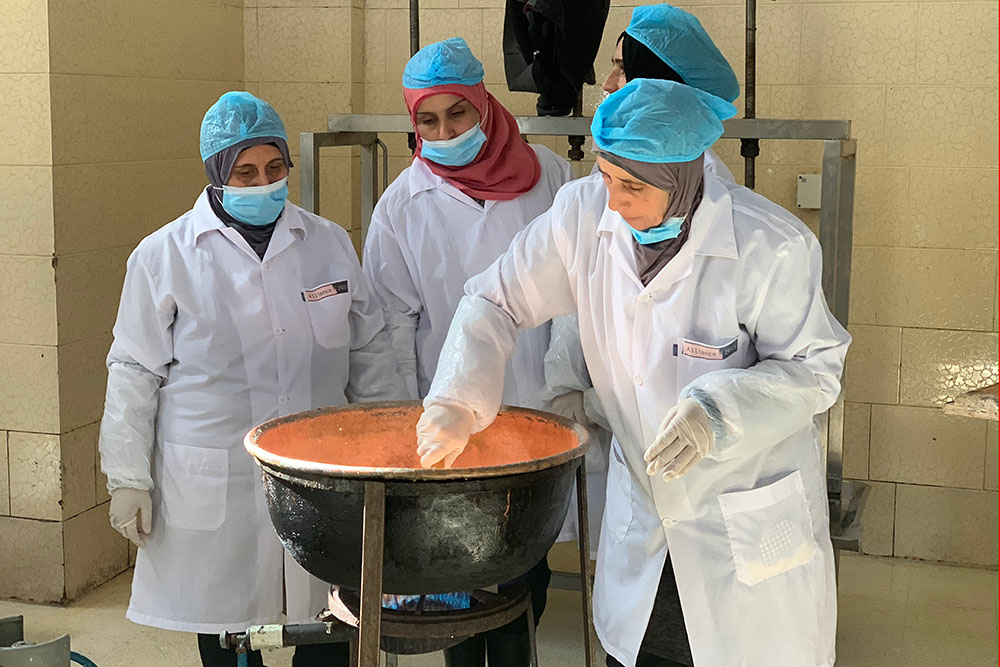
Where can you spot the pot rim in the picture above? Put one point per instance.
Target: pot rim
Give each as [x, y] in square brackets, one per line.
[410, 474]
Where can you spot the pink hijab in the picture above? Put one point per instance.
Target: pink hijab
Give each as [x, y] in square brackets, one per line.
[506, 166]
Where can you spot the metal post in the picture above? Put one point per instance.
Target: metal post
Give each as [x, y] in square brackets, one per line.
[309, 164]
[414, 26]
[835, 235]
[373, 549]
[369, 185]
[529, 614]
[836, 216]
[583, 543]
[750, 147]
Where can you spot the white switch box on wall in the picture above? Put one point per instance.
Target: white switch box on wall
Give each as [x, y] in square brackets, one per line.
[810, 191]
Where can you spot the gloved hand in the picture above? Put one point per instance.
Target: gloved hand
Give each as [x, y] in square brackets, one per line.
[685, 438]
[442, 433]
[571, 406]
[132, 514]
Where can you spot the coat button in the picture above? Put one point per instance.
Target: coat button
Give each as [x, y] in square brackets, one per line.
[282, 400]
[278, 331]
[645, 297]
[638, 380]
[668, 522]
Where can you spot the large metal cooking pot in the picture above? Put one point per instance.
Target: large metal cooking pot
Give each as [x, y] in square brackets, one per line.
[486, 521]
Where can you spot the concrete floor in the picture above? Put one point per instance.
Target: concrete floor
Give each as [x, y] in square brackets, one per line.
[892, 613]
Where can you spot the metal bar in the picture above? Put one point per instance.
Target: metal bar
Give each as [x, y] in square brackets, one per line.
[309, 145]
[835, 223]
[309, 164]
[385, 166]
[583, 543]
[736, 128]
[750, 148]
[414, 26]
[369, 186]
[372, 551]
[529, 612]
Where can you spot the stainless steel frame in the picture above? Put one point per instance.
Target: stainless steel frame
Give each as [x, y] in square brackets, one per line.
[835, 227]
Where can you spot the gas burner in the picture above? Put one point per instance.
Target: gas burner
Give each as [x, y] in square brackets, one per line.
[409, 632]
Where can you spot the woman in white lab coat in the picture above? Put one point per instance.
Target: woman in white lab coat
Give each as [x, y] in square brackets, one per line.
[244, 309]
[660, 42]
[711, 348]
[473, 185]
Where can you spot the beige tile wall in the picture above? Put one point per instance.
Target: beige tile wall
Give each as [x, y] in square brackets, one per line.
[324, 74]
[95, 552]
[99, 147]
[31, 560]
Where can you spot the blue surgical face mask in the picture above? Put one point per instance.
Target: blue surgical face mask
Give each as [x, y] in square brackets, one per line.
[670, 229]
[258, 205]
[457, 151]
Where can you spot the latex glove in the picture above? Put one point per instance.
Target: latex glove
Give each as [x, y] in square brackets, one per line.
[685, 438]
[442, 434]
[571, 406]
[132, 514]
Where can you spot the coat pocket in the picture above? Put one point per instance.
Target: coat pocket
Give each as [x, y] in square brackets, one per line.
[770, 530]
[618, 503]
[329, 319]
[193, 486]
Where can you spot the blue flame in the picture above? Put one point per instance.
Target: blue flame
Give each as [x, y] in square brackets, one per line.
[437, 602]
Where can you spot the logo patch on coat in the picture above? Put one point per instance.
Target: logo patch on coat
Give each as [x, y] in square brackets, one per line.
[321, 292]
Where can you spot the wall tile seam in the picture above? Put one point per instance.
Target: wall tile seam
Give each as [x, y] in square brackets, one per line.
[77, 342]
[952, 329]
[84, 253]
[926, 247]
[26, 256]
[194, 157]
[20, 517]
[5, 471]
[934, 486]
[923, 484]
[102, 75]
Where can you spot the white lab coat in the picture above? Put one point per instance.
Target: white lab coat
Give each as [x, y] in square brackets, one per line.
[748, 527]
[209, 342]
[426, 239]
[566, 370]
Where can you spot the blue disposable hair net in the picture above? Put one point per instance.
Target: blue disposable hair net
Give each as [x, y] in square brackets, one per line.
[443, 63]
[656, 121]
[236, 117]
[679, 40]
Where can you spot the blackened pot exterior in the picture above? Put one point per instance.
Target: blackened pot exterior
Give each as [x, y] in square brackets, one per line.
[440, 536]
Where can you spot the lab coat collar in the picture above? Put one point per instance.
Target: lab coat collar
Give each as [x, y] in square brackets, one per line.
[206, 221]
[712, 230]
[421, 178]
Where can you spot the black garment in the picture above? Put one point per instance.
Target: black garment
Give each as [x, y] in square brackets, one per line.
[316, 655]
[507, 646]
[650, 259]
[645, 660]
[641, 63]
[556, 41]
[666, 636]
[257, 236]
[213, 655]
[665, 643]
